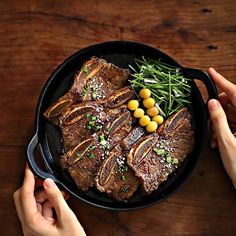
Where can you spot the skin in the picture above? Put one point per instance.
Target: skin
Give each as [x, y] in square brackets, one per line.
[223, 118]
[35, 209]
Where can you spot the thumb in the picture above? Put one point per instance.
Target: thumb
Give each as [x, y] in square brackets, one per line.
[56, 198]
[219, 120]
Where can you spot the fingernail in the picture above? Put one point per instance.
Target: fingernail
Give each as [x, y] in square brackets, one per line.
[49, 183]
[213, 104]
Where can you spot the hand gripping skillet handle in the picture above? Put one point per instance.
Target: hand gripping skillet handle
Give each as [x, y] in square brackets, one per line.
[32, 163]
[206, 79]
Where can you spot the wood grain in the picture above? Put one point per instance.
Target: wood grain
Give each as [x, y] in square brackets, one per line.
[36, 36]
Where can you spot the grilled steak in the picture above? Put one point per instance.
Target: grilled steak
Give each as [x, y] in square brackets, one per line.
[86, 147]
[156, 156]
[115, 177]
[96, 79]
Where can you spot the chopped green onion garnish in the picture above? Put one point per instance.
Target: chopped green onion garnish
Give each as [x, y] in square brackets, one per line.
[85, 70]
[91, 148]
[94, 118]
[101, 137]
[91, 123]
[86, 89]
[91, 155]
[123, 177]
[97, 128]
[168, 159]
[94, 93]
[159, 152]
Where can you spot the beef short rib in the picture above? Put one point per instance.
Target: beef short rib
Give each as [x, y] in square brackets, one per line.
[96, 79]
[115, 177]
[156, 156]
[84, 149]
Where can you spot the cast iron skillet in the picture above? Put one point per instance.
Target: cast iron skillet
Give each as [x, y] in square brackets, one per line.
[47, 137]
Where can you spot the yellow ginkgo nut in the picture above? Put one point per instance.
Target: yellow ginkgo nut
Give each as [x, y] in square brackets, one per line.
[144, 120]
[133, 105]
[151, 127]
[148, 102]
[153, 111]
[144, 93]
[158, 119]
[138, 113]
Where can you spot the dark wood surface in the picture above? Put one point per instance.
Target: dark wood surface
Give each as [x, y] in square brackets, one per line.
[36, 36]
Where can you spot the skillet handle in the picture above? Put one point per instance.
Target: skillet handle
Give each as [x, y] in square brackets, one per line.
[32, 163]
[205, 78]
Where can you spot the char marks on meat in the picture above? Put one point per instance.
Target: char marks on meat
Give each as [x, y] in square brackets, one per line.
[156, 156]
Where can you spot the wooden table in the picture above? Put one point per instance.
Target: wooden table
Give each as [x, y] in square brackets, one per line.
[36, 36]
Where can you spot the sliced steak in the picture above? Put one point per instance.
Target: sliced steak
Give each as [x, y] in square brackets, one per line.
[157, 155]
[115, 177]
[96, 79]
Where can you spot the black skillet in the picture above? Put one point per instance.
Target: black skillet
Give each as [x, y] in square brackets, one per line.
[47, 137]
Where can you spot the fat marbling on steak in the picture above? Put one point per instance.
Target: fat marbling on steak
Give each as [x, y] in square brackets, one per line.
[154, 157]
[96, 79]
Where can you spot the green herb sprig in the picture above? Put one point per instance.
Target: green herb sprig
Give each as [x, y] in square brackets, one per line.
[170, 89]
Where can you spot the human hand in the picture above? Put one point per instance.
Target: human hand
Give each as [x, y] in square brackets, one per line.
[35, 210]
[223, 117]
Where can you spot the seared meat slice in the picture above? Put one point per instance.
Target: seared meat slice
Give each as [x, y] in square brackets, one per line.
[109, 114]
[157, 155]
[96, 79]
[115, 177]
[114, 122]
[83, 162]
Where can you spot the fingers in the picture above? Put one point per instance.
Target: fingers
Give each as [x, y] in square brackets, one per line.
[213, 137]
[219, 120]
[57, 200]
[27, 194]
[17, 201]
[223, 99]
[47, 211]
[228, 87]
[41, 196]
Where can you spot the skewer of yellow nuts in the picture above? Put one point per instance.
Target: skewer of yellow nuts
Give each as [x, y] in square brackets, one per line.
[152, 111]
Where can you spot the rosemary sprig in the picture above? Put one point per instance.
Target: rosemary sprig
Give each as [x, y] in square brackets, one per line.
[168, 86]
